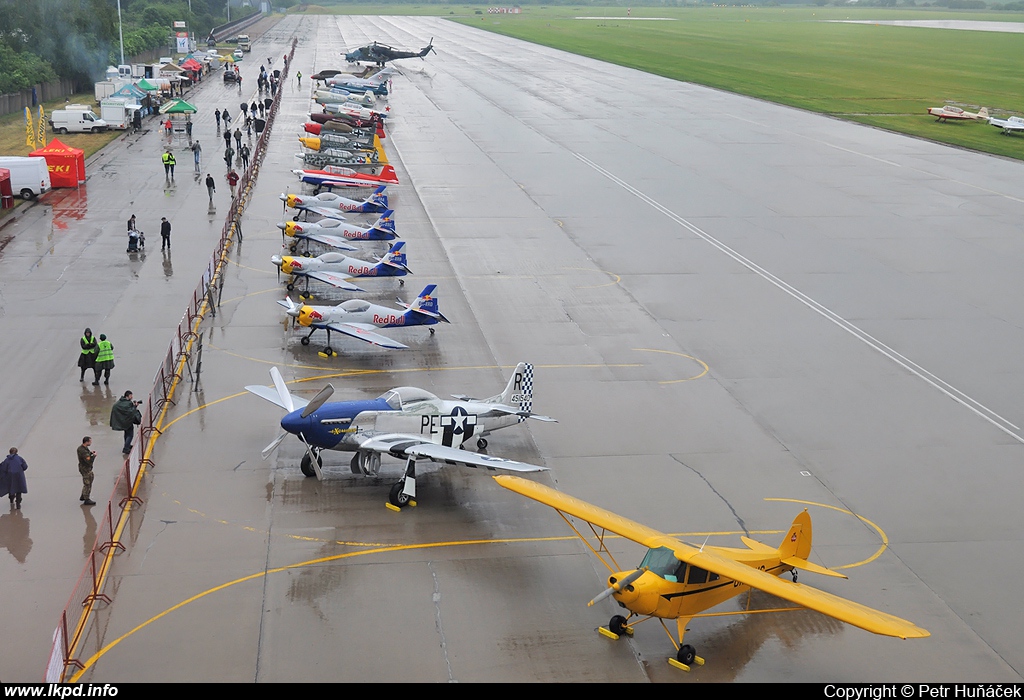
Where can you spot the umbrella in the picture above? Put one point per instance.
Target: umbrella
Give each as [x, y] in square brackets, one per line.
[227, 59]
[177, 107]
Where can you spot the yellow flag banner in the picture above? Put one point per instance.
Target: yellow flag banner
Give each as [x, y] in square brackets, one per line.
[29, 131]
[42, 128]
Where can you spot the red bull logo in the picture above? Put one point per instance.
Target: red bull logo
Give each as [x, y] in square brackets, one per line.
[363, 270]
[290, 264]
[308, 316]
[389, 319]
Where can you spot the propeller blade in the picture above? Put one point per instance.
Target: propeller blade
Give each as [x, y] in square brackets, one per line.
[273, 446]
[617, 586]
[313, 461]
[318, 400]
[282, 389]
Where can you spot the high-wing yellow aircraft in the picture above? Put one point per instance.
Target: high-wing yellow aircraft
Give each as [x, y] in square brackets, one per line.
[677, 581]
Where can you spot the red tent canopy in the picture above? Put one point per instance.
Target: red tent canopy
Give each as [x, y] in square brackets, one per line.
[66, 164]
[192, 64]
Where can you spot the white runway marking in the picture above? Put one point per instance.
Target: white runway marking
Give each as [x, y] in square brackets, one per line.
[952, 392]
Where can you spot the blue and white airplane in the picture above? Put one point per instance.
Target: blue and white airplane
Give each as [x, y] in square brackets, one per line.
[406, 423]
[359, 319]
[330, 204]
[1008, 125]
[335, 232]
[336, 269]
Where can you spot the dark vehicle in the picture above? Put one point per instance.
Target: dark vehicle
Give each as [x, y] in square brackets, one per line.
[230, 76]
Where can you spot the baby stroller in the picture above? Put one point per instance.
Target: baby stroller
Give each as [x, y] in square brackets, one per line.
[136, 240]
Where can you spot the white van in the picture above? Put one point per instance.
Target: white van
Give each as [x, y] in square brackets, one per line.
[79, 118]
[29, 176]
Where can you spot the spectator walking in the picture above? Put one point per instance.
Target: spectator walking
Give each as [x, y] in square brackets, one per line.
[232, 178]
[211, 186]
[216, 115]
[188, 128]
[165, 233]
[168, 128]
[298, 74]
[86, 458]
[229, 155]
[104, 360]
[197, 155]
[12, 477]
[124, 416]
[168, 159]
[87, 358]
[238, 138]
[227, 138]
[227, 118]
[252, 108]
[244, 153]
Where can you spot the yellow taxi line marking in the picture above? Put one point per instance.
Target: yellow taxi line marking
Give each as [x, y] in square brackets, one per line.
[880, 531]
[679, 354]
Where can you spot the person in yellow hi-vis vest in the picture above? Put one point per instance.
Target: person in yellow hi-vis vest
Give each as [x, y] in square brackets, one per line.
[87, 358]
[104, 360]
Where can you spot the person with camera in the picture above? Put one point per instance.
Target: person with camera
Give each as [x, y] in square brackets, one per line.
[86, 458]
[125, 415]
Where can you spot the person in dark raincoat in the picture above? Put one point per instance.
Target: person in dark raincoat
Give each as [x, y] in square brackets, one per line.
[12, 477]
[87, 358]
[125, 415]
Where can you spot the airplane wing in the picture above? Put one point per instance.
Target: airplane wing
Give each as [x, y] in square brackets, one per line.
[335, 280]
[401, 445]
[364, 331]
[326, 212]
[513, 411]
[707, 558]
[338, 242]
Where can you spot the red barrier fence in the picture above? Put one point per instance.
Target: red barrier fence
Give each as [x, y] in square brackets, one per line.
[66, 650]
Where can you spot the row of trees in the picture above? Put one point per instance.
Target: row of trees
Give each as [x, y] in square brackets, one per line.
[41, 40]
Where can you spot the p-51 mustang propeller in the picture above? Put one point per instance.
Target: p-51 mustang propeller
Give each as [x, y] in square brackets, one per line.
[359, 319]
[677, 581]
[406, 423]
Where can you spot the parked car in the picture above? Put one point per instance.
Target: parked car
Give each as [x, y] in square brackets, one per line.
[76, 118]
[230, 76]
[30, 177]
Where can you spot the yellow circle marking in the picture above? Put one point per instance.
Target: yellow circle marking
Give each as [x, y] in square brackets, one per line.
[880, 531]
[679, 354]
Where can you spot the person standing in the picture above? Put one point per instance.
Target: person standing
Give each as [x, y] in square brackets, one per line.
[298, 74]
[12, 477]
[232, 178]
[229, 155]
[131, 224]
[124, 416]
[137, 120]
[227, 119]
[86, 458]
[252, 108]
[165, 233]
[168, 159]
[197, 155]
[104, 360]
[227, 138]
[211, 186]
[238, 138]
[87, 358]
[216, 115]
[244, 153]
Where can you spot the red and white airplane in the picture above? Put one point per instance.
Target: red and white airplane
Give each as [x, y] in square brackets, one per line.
[947, 112]
[336, 176]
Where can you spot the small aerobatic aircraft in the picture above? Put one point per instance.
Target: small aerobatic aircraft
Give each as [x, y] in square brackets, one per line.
[955, 113]
[338, 96]
[333, 176]
[382, 53]
[336, 269]
[329, 204]
[678, 581]
[370, 82]
[406, 423]
[337, 233]
[1010, 125]
[358, 319]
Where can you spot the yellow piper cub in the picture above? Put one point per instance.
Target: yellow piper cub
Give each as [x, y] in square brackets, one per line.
[677, 581]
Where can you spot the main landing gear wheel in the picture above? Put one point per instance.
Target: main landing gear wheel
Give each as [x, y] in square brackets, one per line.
[617, 625]
[396, 497]
[686, 655]
[481, 443]
[306, 465]
[304, 341]
[328, 352]
[290, 286]
[292, 248]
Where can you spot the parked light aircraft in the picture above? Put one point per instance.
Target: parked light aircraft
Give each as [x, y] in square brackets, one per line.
[406, 423]
[359, 99]
[336, 269]
[329, 204]
[370, 82]
[947, 112]
[677, 581]
[382, 53]
[334, 176]
[358, 318]
[1009, 125]
[335, 232]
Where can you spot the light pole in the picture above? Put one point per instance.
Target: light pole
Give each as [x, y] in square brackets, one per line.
[120, 32]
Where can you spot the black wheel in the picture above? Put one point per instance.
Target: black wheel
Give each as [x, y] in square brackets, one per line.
[396, 497]
[354, 464]
[292, 248]
[686, 655]
[290, 286]
[617, 625]
[63, 130]
[431, 331]
[481, 443]
[306, 465]
[401, 283]
[305, 340]
[26, 194]
[329, 351]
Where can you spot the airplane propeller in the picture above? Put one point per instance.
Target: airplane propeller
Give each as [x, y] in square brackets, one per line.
[318, 401]
[617, 586]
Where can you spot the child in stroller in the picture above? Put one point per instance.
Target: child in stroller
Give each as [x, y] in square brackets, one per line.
[136, 240]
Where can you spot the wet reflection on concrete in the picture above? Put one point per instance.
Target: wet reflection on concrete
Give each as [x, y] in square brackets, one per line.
[168, 268]
[14, 534]
[97, 400]
[89, 535]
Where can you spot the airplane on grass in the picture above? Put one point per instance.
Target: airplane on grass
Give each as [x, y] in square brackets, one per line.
[1008, 125]
[330, 204]
[336, 269]
[382, 53]
[406, 423]
[678, 581]
[955, 113]
[358, 319]
[334, 232]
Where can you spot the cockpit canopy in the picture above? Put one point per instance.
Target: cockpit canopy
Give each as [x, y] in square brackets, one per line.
[405, 397]
[663, 562]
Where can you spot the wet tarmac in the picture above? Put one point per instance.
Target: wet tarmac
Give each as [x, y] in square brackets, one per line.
[735, 310]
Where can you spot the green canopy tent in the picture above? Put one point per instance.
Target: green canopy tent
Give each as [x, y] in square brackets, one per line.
[177, 107]
[146, 85]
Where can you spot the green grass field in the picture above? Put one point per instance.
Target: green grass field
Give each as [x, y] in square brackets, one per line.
[879, 75]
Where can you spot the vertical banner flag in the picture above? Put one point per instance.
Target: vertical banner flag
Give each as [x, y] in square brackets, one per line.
[42, 128]
[29, 131]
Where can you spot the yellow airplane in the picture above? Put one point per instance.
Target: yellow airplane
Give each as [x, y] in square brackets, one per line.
[677, 581]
